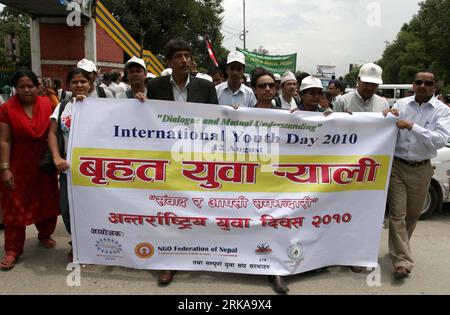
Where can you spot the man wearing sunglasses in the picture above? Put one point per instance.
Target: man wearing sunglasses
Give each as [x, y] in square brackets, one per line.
[364, 99]
[424, 124]
[265, 89]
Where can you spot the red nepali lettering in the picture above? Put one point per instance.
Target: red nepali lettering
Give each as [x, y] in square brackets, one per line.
[103, 170]
[209, 173]
[342, 174]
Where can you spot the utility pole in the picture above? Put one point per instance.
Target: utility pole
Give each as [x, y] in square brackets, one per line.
[245, 31]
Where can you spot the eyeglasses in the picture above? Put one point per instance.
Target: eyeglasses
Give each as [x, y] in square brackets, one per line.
[265, 85]
[427, 83]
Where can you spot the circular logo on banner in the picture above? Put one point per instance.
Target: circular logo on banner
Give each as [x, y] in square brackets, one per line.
[108, 246]
[295, 252]
[144, 250]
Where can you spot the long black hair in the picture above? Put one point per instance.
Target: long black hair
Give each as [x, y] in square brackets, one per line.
[24, 74]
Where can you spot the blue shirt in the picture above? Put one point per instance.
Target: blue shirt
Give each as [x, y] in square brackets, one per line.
[244, 97]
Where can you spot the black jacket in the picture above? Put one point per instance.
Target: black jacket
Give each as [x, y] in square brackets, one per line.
[199, 90]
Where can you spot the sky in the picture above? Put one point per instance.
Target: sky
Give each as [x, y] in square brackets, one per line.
[321, 32]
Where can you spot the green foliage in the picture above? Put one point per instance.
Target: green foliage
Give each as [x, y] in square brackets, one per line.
[14, 22]
[154, 22]
[351, 78]
[420, 44]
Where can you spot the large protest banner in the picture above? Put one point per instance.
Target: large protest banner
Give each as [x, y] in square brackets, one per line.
[275, 64]
[178, 186]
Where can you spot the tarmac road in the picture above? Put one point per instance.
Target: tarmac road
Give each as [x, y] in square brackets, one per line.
[43, 271]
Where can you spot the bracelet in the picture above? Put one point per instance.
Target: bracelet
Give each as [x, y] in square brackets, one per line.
[4, 167]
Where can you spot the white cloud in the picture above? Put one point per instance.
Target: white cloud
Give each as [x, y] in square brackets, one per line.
[332, 32]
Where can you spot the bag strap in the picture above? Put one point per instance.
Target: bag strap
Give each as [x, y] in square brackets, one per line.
[59, 132]
[129, 94]
[101, 92]
[277, 102]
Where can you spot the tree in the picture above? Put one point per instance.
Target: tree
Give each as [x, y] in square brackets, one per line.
[17, 23]
[351, 78]
[420, 44]
[154, 22]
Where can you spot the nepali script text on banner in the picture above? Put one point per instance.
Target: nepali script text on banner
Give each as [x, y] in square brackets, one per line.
[275, 64]
[179, 186]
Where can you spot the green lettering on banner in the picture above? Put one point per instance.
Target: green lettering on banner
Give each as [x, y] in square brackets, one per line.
[275, 64]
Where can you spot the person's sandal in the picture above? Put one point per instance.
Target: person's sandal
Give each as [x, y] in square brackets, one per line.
[8, 263]
[48, 243]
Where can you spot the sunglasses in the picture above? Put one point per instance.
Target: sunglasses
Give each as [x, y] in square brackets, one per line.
[265, 85]
[427, 83]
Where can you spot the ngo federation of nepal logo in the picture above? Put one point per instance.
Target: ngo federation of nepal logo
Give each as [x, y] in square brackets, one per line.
[144, 250]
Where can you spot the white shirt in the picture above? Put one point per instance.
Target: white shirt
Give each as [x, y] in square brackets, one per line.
[112, 87]
[243, 97]
[430, 133]
[94, 94]
[180, 95]
[124, 94]
[355, 103]
[285, 105]
[66, 120]
[122, 87]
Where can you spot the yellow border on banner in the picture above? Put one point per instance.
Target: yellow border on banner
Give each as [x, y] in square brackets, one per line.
[265, 181]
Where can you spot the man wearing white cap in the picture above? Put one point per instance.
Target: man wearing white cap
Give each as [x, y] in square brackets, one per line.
[364, 99]
[137, 74]
[95, 91]
[287, 98]
[233, 92]
[311, 91]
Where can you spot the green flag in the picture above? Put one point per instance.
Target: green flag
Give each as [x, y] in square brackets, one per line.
[275, 64]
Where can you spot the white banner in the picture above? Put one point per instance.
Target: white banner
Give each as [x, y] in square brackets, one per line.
[178, 186]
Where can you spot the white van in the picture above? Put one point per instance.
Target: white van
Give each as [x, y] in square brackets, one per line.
[395, 92]
[392, 92]
[439, 191]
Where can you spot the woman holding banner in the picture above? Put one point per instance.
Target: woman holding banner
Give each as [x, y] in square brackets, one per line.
[29, 194]
[78, 81]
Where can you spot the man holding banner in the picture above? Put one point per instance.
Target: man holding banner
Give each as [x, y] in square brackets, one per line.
[180, 87]
[424, 128]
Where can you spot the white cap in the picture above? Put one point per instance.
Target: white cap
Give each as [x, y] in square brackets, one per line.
[150, 75]
[288, 76]
[136, 60]
[236, 56]
[166, 72]
[371, 73]
[204, 77]
[277, 77]
[87, 65]
[311, 83]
